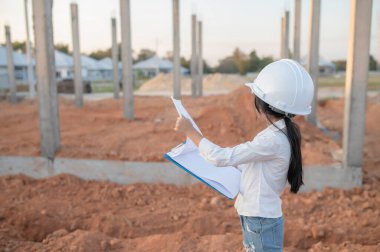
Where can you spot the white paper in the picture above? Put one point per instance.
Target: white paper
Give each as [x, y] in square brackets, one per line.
[182, 111]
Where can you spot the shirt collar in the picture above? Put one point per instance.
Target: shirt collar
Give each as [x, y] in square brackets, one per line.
[279, 124]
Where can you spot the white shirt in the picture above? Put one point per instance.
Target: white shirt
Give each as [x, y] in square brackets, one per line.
[264, 163]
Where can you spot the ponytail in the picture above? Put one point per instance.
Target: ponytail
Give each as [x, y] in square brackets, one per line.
[293, 134]
[295, 165]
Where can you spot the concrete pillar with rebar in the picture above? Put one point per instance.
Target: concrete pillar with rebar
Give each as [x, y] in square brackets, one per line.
[45, 73]
[32, 91]
[200, 61]
[176, 52]
[10, 66]
[194, 55]
[78, 85]
[356, 87]
[126, 56]
[297, 31]
[313, 61]
[115, 60]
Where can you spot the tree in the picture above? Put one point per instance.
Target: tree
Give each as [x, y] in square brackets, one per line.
[19, 46]
[372, 63]
[253, 62]
[340, 65]
[100, 54]
[145, 54]
[227, 65]
[240, 61]
[62, 48]
[264, 61]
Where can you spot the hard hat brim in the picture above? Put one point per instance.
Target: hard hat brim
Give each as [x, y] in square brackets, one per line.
[260, 94]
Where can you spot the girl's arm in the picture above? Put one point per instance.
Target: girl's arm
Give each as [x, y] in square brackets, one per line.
[261, 148]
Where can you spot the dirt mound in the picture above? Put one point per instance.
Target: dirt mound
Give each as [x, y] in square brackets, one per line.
[211, 83]
[65, 212]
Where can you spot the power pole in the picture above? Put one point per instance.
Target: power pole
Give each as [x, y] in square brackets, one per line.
[115, 60]
[126, 49]
[78, 85]
[45, 73]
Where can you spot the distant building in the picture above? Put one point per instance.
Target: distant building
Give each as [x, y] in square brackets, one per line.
[105, 68]
[154, 65]
[326, 67]
[63, 65]
[92, 69]
[20, 63]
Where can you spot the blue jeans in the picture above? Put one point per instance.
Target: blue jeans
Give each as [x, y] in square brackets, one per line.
[262, 234]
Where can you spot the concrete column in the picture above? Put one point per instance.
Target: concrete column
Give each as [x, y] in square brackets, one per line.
[11, 66]
[32, 91]
[282, 41]
[176, 52]
[200, 61]
[126, 49]
[115, 60]
[78, 85]
[45, 73]
[193, 55]
[313, 68]
[356, 86]
[287, 34]
[297, 31]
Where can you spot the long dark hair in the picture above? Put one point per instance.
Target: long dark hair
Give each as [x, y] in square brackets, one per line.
[294, 137]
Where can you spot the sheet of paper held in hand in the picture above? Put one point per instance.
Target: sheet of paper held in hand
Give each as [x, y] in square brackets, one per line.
[225, 180]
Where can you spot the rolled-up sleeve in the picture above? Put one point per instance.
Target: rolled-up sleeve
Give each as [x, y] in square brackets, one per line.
[261, 148]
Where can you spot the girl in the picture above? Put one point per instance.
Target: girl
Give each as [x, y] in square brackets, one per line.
[282, 90]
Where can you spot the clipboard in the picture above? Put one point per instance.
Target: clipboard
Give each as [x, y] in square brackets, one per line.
[224, 180]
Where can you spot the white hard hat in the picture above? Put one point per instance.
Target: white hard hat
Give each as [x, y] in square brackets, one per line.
[286, 86]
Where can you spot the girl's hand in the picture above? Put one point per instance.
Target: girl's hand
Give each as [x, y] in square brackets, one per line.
[183, 125]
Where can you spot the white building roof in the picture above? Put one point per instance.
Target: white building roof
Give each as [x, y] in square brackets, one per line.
[105, 63]
[156, 62]
[63, 60]
[19, 59]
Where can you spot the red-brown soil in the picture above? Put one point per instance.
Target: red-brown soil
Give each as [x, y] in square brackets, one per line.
[65, 213]
[99, 131]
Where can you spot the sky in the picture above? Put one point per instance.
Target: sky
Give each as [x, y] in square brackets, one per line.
[227, 24]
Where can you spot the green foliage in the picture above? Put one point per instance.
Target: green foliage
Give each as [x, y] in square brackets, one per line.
[227, 65]
[100, 54]
[341, 64]
[145, 54]
[241, 63]
[372, 63]
[185, 63]
[62, 48]
[19, 46]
